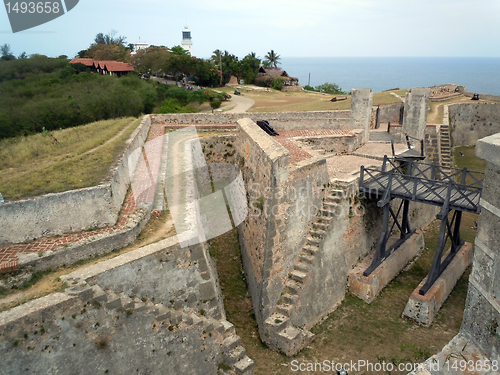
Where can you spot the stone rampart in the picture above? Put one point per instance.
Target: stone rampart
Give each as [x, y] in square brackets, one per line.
[278, 120]
[482, 311]
[155, 309]
[74, 210]
[472, 121]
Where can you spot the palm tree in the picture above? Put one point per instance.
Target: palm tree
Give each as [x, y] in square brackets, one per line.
[272, 59]
[216, 56]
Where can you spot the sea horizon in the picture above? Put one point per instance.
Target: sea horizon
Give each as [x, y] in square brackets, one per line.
[477, 74]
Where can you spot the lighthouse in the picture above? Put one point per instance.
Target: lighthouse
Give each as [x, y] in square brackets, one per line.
[187, 43]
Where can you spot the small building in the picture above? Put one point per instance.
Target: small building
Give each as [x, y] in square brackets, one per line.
[278, 73]
[138, 46]
[112, 68]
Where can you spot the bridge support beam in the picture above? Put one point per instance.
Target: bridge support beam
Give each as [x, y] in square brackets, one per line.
[382, 251]
[446, 232]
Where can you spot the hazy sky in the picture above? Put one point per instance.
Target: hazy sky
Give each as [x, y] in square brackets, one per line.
[292, 28]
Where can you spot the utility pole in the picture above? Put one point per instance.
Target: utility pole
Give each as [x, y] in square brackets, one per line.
[309, 82]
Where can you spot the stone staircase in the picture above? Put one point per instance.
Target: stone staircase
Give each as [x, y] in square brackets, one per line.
[234, 358]
[445, 143]
[279, 333]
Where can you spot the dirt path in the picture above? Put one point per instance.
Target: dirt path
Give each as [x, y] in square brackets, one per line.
[243, 104]
[112, 138]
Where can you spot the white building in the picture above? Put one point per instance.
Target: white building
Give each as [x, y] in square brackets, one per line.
[187, 43]
[138, 46]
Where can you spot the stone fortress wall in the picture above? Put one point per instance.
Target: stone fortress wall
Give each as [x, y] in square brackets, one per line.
[154, 310]
[170, 297]
[74, 210]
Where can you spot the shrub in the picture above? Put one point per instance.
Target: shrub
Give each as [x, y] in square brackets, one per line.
[277, 83]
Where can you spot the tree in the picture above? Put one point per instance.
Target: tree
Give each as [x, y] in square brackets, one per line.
[151, 59]
[114, 52]
[250, 67]
[330, 88]
[6, 53]
[272, 59]
[109, 39]
[179, 51]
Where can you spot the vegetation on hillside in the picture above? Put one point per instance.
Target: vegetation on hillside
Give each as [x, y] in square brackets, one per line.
[43, 93]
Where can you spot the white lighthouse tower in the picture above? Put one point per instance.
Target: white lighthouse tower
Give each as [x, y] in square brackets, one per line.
[187, 43]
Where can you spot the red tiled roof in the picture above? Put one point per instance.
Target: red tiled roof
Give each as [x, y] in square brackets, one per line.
[113, 66]
[116, 66]
[87, 62]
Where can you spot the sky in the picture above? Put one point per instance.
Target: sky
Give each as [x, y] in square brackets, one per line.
[292, 28]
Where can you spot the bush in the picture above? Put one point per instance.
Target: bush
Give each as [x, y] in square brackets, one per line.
[215, 103]
[277, 83]
[330, 88]
[309, 88]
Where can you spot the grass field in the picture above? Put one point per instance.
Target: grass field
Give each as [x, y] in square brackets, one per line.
[61, 160]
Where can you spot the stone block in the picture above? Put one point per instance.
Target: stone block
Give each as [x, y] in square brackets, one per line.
[114, 302]
[163, 313]
[488, 231]
[423, 308]
[231, 342]
[368, 287]
[488, 148]
[207, 291]
[491, 185]
[482, 269]
[230, 357]
[99, 295]
[244, 366]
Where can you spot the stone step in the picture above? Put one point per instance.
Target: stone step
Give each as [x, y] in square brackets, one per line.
[333, 199]
[228, 328]
[337, 192]
[127, 302]
[232, 356]
[140, 306]
[231, 342]
[164, 313]
[99, 295]
[301, 266]
[306, 258]
[314, 241]
[244, 366]
[324, 219]
[285, 309]
[291, 299]
[293, 287]
[277, 321]
[317, 233]
[310, 249]
[114, 302]
[321, 226]
[298, 276]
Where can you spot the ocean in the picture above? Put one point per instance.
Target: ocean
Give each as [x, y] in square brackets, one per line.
[477, 74]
